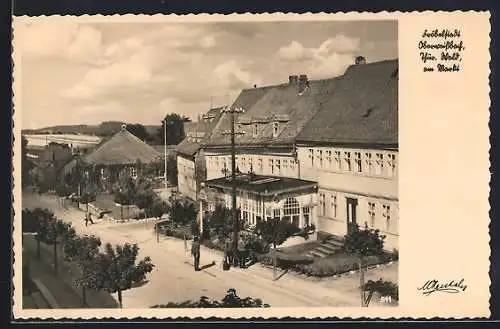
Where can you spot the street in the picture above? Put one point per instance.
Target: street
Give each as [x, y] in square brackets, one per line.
[174, 280]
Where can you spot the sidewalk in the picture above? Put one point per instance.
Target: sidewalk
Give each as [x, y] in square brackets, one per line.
[66, 275]
[64, 296]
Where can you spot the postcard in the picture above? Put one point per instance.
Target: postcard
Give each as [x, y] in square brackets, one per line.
[251, 166]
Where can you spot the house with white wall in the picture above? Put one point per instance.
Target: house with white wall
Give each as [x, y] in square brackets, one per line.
[350, 147]
[191, 167]
[341, 133]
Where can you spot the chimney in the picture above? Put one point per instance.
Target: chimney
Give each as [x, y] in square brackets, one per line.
[360, 60]
[303, 82]
[292, 79]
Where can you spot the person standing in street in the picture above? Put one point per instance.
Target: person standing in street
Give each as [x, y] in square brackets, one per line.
[88, 218]
[195, 252]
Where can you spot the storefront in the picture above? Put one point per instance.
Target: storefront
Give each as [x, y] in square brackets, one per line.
[265, 197]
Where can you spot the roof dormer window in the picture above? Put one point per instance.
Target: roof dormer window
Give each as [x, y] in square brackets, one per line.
[275, 129]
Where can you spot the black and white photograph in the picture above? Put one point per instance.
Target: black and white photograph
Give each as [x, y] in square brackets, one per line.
[191, 164]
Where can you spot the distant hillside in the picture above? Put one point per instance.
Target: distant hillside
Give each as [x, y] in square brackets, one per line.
[104, 129]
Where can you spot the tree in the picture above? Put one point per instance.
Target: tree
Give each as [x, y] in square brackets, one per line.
[183, 211]
[126, 195]
[219, 221]
[231, 300]
[275, 232]
[363, 242]
[157, 208]
[86, 198]
[175, 128]
[383, 288]
[116, 270]
[83, 250]
[138, 131]
[57, 231]
[37, 221]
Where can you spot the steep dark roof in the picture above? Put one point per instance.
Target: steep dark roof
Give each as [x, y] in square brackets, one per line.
[362, 110]
[122, 148]
[188, 148]
[201, 131]
[246, 99]
[280, 103]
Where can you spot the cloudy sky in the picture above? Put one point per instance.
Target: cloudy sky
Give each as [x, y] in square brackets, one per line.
[88, 73]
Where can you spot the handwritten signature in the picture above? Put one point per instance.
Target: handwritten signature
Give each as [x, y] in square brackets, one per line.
[451, 287]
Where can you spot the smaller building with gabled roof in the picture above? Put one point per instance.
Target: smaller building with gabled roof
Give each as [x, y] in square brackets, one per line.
[191, 165]
[123, 155]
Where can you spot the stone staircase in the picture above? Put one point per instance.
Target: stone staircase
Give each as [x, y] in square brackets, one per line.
[329, 247]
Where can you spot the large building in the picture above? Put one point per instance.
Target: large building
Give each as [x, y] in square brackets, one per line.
[341, 133]
[350, 147]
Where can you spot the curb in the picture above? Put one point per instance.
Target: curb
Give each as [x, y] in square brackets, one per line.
[46, 293]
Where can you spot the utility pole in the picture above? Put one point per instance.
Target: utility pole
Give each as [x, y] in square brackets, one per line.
[165, 149]
[234, 184]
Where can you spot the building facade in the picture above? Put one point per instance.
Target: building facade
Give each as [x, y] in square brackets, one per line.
[351, 149]
[191, 160]
[264, 197]
[341, 133]
[121, 157]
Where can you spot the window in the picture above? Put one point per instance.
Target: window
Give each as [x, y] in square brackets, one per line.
[271, 166]
[255, 126]
[291, 211]
[368, 163]
[386, 213]
[391, 164]
[250, 160]
[337, 161]
[311, 157]
[260, 165]
[285, 166]
[347, 159]
[276, 213]
[320, 158]
[275, 129]
[334, 206]
[371, 213]
[292, 166]
[306, 211]
[322, 204]
[379, 163]
[278, 166]
[243, 164]
[133, 172]
[357, 161]
[329, 159]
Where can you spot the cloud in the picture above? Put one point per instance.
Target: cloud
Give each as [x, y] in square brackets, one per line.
[230, 75]
[58, 39]
[338, 44]
[294, 52]
[330, 58]
[208, 41]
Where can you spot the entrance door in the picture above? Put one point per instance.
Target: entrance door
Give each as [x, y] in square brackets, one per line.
[351, 211]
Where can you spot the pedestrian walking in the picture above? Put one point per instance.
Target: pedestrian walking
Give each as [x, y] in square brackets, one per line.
[195, 252]
[88, 218]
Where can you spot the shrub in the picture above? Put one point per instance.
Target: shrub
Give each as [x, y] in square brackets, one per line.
[384, 288]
